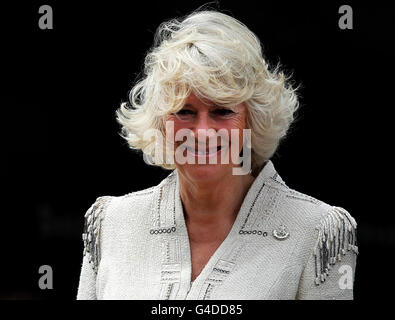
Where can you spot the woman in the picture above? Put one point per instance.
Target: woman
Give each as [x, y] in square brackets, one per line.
[223, 224]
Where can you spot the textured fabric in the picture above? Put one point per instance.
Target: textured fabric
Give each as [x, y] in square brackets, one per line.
[283, 245]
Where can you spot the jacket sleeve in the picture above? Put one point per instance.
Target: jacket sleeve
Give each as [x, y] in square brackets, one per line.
[87, 284]
[330, 269]
[91, 255]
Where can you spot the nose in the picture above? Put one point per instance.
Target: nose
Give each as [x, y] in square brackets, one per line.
[204, 126]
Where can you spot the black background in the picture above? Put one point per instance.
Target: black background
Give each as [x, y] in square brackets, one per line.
[61, 147]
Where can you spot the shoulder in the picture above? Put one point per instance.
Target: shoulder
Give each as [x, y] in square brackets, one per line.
[144, 199]
[91, 231]
[305, 210]
[324, 232]
[108, 215]
[326, 247]
[134, 204]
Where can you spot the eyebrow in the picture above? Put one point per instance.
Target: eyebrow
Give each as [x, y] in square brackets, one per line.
[213, 105]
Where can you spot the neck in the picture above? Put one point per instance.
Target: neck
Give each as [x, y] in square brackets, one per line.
[213, 204]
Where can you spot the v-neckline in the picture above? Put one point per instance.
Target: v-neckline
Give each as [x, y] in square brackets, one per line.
[241, 218]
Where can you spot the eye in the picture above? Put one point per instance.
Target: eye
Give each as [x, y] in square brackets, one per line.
[184, 112]
[222, 112]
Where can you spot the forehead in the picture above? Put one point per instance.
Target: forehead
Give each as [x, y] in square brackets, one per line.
[193, 101]
[196, 102]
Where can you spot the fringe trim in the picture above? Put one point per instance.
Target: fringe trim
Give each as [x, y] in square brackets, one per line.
[337, 235]
[91, 231]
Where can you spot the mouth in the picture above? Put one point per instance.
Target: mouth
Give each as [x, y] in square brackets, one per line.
[207, 152]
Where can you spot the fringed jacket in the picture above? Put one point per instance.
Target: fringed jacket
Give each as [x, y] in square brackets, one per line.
[282, 245]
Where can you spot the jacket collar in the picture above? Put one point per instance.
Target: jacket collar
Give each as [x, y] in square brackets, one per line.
[170, 228]
[266, 177]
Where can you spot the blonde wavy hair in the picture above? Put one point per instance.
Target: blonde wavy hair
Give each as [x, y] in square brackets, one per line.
[217, 58]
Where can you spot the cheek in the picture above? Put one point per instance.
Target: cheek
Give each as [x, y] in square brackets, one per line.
[239, 124]
[177, 124]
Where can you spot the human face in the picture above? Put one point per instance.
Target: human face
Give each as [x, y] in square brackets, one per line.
[207, 123]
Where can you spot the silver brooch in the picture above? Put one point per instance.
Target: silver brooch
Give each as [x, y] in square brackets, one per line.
[281, 232]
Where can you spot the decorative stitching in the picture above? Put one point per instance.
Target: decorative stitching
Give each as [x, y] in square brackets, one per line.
[162, 230]
[92, 228]
[301, 196]
[337, 224]
[174, 205]
[257, 232]
[141, 192]
[274, 179]
[158, 205]
[221, 270]
[208, 291]
[252, 206]
[170, 272]
[312, 200]
[215, 280]
[169, 289]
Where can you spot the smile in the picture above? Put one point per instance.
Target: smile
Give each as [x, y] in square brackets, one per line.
[208, 152]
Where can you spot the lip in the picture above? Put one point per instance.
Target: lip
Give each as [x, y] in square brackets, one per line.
[208, 154]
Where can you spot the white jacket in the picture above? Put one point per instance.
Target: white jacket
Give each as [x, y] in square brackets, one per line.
[283, 245]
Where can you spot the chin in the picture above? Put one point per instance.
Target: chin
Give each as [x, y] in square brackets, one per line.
[205, 172]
